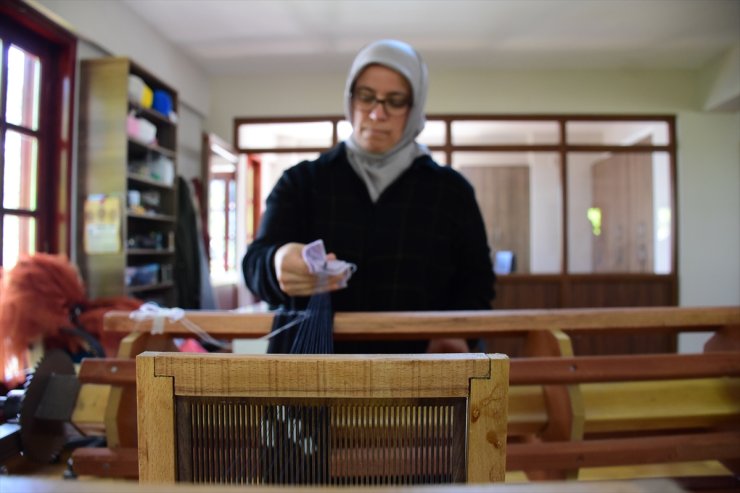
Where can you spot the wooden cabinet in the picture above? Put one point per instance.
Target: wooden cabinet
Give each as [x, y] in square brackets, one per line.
[127, 185]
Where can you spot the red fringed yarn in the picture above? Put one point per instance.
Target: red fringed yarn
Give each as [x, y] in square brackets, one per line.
[36, 297]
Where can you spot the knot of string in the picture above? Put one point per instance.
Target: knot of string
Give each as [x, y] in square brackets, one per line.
[158, 315]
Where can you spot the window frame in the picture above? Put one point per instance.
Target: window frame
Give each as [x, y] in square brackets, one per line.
[229, 180]
[56, 47]
[562, 148]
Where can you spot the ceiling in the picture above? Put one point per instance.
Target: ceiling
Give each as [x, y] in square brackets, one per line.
[236, 37]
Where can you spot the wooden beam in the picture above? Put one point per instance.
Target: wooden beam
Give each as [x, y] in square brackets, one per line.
[113, 371]
[623, 451]
[423, 325]
[109, 462]
[371, 376]
[581, 369]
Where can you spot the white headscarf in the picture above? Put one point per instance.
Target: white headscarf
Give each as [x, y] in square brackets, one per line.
[378, 171]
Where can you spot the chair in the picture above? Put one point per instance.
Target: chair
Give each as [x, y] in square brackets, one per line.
[321, 419]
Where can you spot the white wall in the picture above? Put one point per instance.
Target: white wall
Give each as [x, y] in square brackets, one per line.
[580, 253]
[118, 31]
[190, 126]
[720, 82]
[709, 208]
[708, 143]
[285, 95]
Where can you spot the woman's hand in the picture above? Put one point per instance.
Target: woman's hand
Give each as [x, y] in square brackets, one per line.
[294, 277]
[449, 345]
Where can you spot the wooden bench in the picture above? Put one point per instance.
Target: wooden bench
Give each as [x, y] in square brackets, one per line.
[624, 410]
[566, 411]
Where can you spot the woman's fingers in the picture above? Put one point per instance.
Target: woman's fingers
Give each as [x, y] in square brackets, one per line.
[306, 285]
[294, 277]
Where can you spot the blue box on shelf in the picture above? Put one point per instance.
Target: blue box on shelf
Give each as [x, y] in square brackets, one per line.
[142, 275]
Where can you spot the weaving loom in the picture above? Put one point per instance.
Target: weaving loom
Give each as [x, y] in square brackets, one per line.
[321, 419]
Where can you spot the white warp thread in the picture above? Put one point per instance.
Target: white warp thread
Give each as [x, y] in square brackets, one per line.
[157, 314]
[292, 323]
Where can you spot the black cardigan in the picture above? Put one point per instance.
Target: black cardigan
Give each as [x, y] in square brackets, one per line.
[422, 246]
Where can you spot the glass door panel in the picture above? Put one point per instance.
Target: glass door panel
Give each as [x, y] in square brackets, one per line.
[491, 132]
[520, 200]
[617, 133]
[620, 213]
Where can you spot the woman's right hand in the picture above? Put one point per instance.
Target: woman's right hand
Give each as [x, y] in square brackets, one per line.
[294, 277]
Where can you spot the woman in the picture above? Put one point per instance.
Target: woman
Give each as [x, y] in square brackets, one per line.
[378, 200]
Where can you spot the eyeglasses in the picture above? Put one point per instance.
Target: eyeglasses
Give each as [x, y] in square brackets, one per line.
[394, 104]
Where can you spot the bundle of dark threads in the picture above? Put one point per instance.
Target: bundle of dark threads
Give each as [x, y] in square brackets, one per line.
[291, 428]
[314, 335]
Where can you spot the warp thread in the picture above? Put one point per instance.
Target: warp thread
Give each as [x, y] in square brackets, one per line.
[308, 331]
[314, 335]
[299, 434]
[313, 327]
[150, 311]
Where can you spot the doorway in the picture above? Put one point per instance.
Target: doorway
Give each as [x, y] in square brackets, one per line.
[221, 218]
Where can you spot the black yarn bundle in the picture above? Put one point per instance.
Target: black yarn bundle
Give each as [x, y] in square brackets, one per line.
[306, 331]
[309, 331]
[314, 334]
[291, 427]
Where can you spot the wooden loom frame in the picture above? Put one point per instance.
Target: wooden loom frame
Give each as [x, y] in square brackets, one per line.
[481, 379]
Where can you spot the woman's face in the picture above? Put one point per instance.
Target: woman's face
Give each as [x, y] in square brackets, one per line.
[380, 106]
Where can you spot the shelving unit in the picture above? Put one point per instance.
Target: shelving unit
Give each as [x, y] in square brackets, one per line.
[131, 250]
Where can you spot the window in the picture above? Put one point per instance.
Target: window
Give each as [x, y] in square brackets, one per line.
[541, 180]
[20, 163]
[563, 194]
[274, 145]
[222, 222]
[37, 63]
